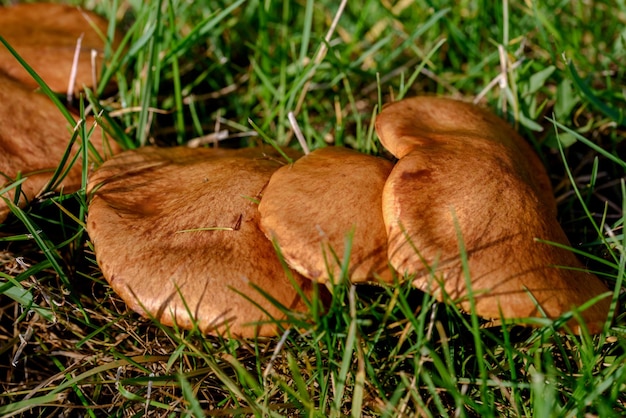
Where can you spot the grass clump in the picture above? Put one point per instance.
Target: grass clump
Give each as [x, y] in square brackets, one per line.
[230, 71]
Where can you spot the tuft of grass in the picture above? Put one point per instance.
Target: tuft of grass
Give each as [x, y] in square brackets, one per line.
[232, 71]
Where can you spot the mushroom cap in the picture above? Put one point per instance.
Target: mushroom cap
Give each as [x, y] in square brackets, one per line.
[478, 178]
[45, 35]
[176, 235]
[441, 124]
[311, 206]
[34, 136]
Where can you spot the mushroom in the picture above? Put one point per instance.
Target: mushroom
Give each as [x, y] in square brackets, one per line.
[45, 35]
[464, 175]
[175, 232]
[311, 206]
[34, 136]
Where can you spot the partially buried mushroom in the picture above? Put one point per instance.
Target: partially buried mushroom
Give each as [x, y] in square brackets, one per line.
[464, 175]
[34, 136]
[324, 203]
[176, 234]
[45, 35]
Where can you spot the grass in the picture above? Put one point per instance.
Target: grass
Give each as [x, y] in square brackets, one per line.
[554, 69]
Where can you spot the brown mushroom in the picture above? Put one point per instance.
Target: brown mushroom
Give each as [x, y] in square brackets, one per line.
[463, 172]
[176, 235]
[34, 136]
[311, 207]
[45, 36]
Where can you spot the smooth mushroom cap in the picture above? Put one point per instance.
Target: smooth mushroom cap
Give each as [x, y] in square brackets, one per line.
[45, 36]
[34, 136]
[437, 123]
[176, 235]
[478, 178]
[312, 206]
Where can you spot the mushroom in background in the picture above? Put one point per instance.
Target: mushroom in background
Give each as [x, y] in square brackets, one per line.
[176, 235]
[45, 36]
[464, 172]
[310, 207]
[34, 136]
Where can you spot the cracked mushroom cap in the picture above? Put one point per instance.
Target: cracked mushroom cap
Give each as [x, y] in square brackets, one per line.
[311, 206]
[176, 235]
[34, 136]
[464, 170]
[45, 36]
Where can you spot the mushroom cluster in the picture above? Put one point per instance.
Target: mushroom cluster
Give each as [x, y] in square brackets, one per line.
[34, 134]
[191, 236]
